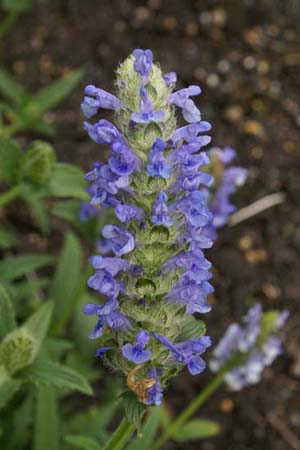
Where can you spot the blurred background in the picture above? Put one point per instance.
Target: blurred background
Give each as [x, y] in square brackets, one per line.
[245, 55]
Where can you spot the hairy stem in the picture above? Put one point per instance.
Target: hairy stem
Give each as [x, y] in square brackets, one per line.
[121, 436]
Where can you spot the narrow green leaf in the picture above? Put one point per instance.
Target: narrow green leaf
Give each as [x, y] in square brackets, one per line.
[51, 95]
[8, 387]
[93, 422]
[68, 181]
[46, 432]
[45, 371]
[36, 202]
[192, 328]
[17, 266]
[38, 324]
[7, 313]
[144, 441]
[10, 153]
[7, 239]
[10, 89]
[66, 280]
[196, 429]
[22, 422]
[16, 6]
[27, 289]
[82, 442]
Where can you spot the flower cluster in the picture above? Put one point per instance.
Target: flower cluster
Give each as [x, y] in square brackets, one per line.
[227, 179]
[156, 181]
[251, 347]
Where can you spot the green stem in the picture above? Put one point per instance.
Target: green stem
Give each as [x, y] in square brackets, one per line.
[7, 23]
[10, 195]
[190, 410]
[120, 436]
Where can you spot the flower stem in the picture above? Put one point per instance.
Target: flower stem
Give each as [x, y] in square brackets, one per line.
[190, 410]
[10, 195]
[120, 436]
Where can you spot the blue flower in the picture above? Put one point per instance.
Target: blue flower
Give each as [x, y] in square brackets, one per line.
[136, 352]
[246, 340]
[182, 99]
[95, 99]
[122, 241]
[160, 211]
[125, 213]
[102, 132]
[155, 392]
[187, 352]
[147, 113]
[170, 78]
[157, 166]
[143, 62]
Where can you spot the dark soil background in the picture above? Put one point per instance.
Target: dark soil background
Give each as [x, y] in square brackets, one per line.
[245, 54]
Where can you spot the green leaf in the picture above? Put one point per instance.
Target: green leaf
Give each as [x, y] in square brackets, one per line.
[93, 422]
[8, 386]
[82, 442]
[7, 239]
[17, 266]
[192, 328]
[68, 181]
[36, 203]
[7, 313]
[45, 371]
[196, 429]
[10, 152]
[51, 95]
[27, 289]
[10, 89]
[22, 422]
[38, 324]
[148, 431]
[66, 280]
[46, 432]
[134, 409]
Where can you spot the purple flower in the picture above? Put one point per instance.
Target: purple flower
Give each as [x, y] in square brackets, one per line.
[125, 213]
[87, 211]
[194, 208]
[108, 315]
[101, 351]
[122, 241]
[112, 265]
[102, 281]
[123, 161]
[155, 392]
[136, 352]
[191, 294]
[95, 99]
[187, 352]
[160, 211]
[189, 133]
[246, 340]
[143, 62]
[157, 166]
[182, 99]
[147, 113]
[170, 78]
[102, 132]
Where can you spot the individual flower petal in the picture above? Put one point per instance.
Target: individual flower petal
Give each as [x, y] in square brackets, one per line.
[122, 241]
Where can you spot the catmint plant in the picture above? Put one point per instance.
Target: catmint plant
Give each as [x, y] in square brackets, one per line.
[156, 180]
[255, 343]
